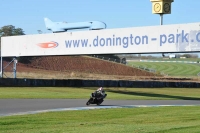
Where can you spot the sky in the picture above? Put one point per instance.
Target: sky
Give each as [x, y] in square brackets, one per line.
[29, 14]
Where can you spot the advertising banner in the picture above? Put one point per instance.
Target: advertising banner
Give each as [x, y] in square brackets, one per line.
[150, 39]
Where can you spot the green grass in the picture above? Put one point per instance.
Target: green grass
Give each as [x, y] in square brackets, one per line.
[170, 68]
[113, 93]
[132, 120]
[136, 120]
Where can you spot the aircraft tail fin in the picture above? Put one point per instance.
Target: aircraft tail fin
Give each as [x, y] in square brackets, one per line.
[48, 22]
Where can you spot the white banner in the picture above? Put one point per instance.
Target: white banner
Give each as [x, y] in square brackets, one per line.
[152, 39]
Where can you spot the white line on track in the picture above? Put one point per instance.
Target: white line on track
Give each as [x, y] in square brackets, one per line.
[88, 108]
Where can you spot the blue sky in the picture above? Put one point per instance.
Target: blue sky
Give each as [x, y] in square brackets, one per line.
[29, 14]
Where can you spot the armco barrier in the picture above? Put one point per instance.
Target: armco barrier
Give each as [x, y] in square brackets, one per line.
[9, 82]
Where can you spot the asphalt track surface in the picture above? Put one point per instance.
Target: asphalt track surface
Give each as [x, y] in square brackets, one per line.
[10, 107]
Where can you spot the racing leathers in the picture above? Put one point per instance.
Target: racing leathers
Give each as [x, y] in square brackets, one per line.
[99, 93]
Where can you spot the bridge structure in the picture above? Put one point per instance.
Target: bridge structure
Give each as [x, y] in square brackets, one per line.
[177, 38]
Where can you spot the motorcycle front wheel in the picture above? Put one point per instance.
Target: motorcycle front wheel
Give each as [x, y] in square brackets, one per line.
[88, 102]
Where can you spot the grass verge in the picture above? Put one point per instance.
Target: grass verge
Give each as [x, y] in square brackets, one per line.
[113, 93]
[171, 68]
[135, 120]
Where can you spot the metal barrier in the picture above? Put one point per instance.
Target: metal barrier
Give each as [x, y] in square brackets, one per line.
[146, 69]
[150, 70]
[8, 82]
[164, 74]
[121, 61]
[198, 74]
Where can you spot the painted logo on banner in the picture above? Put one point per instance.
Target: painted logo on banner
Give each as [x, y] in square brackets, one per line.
[48, 45]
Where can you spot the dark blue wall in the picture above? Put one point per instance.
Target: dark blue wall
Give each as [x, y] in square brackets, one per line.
[6, 82]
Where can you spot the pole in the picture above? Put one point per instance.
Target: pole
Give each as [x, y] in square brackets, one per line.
[1, 66]
[161, 23]
[14, 67]
[161, 19]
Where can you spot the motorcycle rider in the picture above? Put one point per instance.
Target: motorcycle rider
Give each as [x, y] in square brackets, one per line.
[97, 97]
[99, 93]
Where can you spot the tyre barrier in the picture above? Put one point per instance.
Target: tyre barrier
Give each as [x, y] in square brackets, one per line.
[10, 82]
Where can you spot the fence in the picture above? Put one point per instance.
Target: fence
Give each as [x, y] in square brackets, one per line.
[198, 74]
[121, 61]
[68, 67]
[170, 61]
[145, 68]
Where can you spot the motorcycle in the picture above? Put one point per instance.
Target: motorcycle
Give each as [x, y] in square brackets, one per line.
[97, 99]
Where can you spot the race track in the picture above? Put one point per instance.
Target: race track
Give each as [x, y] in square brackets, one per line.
[31, 106]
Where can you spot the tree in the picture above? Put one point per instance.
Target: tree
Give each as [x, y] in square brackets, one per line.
[10, 30]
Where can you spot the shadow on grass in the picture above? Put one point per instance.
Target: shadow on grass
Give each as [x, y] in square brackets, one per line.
[153, 95]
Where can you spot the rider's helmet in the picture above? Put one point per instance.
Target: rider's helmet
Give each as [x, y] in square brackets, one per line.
[100, 89]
